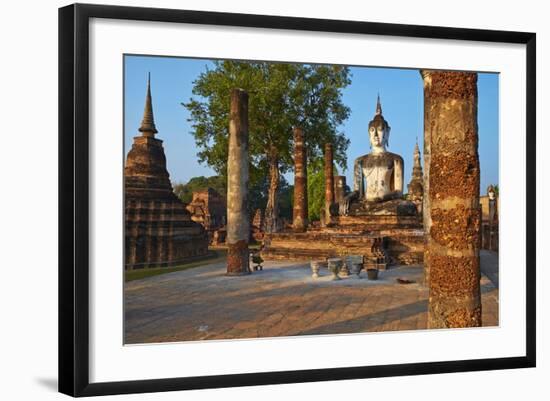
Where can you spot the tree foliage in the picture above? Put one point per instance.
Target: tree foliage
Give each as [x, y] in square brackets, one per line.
[257, 193]
[281, 96]
[315, 190]
[185, 191]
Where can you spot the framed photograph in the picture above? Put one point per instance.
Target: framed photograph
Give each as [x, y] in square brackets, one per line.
[251, 199]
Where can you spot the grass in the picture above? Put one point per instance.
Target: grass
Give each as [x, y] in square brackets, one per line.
[219, 255]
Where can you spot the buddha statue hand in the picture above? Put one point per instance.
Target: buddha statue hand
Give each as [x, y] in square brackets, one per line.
[347, 201]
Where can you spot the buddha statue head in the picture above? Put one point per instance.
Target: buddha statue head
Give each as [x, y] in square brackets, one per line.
[379, 131]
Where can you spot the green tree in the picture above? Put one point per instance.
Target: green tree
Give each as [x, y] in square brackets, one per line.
[185, 191]
[281, 96]
[315, 190]
[286, 203]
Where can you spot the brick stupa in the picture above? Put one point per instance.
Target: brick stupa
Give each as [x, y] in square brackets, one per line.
[159, 229]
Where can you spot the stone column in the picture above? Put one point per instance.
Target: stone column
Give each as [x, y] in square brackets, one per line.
[426, 216]
[453, 239]
[300, 211]
[238, 220]
[339, 188]
[329, 182]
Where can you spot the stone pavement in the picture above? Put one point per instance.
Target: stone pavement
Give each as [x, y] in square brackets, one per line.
[282, 300]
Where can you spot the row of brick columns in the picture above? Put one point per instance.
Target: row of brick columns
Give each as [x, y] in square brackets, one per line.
[334, 185]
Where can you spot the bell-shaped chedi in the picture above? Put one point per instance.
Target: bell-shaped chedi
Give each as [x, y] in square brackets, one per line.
[159, 230]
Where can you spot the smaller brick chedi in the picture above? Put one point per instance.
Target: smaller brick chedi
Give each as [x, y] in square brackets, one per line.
[159, 229]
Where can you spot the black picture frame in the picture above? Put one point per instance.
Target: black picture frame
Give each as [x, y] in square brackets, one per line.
[74, 198]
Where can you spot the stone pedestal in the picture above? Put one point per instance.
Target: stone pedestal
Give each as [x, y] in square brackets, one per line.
[344, 270]
[315, 266]
[238, 219]
[334, 266]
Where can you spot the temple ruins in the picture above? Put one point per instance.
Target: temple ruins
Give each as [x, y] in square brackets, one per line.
[208, 208]
[435, 229]
[159, 230]
[372, 221]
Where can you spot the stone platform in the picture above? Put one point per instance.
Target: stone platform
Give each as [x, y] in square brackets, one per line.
[283, 300]
[320, 245]
[401, 240]
[390, 230]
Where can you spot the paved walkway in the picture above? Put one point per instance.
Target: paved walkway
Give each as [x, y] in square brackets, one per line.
[282, 300]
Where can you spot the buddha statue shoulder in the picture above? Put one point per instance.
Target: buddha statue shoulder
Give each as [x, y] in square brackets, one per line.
[378, 175]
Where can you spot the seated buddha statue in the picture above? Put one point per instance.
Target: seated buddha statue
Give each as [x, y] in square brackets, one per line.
[378, 175]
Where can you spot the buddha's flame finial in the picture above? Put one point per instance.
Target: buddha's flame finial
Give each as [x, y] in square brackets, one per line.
[148, 122]
[378, 105]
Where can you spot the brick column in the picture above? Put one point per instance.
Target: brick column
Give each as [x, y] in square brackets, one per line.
[453, 239]
[329, 182]
[238, 224]
[300, 211]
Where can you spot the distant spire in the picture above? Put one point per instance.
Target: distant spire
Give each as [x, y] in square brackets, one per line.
[148, 122]
[416, 157]
[378, 105]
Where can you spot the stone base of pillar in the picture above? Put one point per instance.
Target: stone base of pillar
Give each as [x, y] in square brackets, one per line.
[299, 225]
[238, 259]
[451, 305]
[445, 315]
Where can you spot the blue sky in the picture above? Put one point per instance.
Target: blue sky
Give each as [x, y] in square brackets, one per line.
[400, 91]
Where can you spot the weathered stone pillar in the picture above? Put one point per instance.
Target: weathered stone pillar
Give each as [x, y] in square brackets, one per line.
[426, 215]
[238, 219]
[453, 239]
[339, 188]
[300, 211]
[329, 182]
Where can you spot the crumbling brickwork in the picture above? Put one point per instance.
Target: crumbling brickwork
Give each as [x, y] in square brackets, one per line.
[453, 192]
